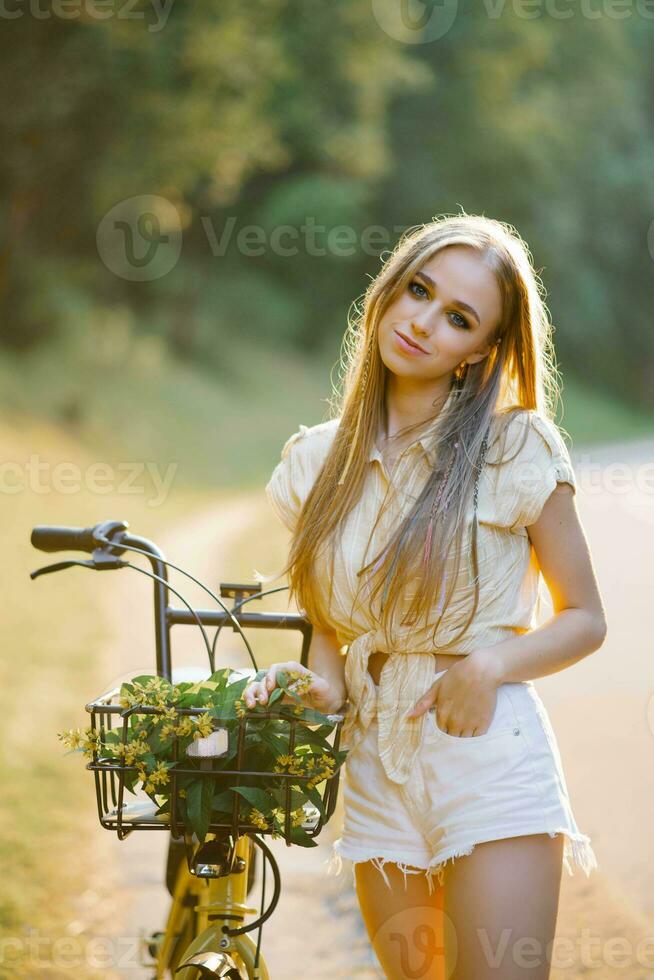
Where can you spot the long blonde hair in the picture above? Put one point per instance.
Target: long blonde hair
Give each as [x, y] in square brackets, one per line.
[518, 373]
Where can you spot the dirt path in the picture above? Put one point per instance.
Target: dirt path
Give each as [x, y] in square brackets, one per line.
[603, 707]
[604, 722]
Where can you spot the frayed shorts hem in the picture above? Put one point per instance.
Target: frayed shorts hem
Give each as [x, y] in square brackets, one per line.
[578, 853]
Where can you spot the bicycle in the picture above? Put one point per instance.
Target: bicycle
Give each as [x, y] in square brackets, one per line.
[209, 882]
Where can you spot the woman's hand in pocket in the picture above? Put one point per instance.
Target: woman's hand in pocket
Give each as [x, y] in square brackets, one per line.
[464, 700]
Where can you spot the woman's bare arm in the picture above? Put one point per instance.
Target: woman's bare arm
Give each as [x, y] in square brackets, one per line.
[578, 626]
[326, 659]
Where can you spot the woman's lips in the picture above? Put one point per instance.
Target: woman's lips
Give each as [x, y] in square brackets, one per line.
[405, 346]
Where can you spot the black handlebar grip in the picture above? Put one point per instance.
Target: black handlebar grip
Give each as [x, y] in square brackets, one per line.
[64, 538]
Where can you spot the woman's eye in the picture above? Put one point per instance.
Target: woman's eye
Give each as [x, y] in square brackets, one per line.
[418, 285]
[414, 284]
[463, 323]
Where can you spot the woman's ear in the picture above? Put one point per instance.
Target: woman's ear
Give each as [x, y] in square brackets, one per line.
[479, 355]
[483, 352]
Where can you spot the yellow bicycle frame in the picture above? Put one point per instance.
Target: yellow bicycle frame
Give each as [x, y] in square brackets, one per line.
[224, 899]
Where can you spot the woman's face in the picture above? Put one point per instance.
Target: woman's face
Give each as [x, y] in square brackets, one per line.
[449, 310]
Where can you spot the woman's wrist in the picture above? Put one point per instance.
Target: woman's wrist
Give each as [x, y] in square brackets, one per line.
[486, 662]
[337, 704]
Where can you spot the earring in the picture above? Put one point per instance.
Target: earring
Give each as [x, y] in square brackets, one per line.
[460, 374]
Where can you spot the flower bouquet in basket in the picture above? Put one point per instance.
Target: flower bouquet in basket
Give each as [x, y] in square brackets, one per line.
[197, 727]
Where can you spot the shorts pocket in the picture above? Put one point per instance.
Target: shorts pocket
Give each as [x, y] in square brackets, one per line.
[504, 722]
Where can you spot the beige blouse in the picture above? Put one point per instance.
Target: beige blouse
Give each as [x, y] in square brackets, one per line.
[512, 492]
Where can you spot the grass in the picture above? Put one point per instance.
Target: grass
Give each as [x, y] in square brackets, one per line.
[141, 405]
[593, 418]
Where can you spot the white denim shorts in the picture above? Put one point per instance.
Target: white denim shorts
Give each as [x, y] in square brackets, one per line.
[506, 782]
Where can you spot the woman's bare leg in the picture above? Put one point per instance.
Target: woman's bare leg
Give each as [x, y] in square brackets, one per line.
[405, 927]
[501, 904]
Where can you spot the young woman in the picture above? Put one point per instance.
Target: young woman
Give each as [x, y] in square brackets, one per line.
[423, 514]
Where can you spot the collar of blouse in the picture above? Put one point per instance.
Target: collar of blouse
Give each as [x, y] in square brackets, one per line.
[424, 441]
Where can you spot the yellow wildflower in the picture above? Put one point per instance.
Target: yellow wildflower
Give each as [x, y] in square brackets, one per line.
[204, 726]
[160, 774]
[259, 819]
[300, 682]
[133, 750]
[72, 738]
[86, 739]
[185, 726]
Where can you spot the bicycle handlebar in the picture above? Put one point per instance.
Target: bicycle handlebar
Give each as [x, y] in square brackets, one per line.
[109, 539]
[63, 538]
[57, 538]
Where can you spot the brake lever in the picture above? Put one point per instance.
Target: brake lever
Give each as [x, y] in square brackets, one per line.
[103, 562]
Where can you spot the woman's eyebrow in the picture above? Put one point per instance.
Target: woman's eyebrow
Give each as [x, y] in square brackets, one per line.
[457, 302]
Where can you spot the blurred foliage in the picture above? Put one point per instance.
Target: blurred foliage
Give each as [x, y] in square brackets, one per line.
[295, 139]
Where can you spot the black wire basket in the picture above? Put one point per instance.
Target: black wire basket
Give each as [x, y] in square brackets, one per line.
[108, 715]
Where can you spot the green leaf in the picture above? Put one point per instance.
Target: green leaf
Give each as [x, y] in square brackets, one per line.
[236, 689]
[297, 797]
[307, 736]
[130, 779]
[223, 801]
[300, 836]
[221, 677]
[143, 679]
[309, 715]
[277, 745]
[199, 795]
[257, 798]
[157, 743]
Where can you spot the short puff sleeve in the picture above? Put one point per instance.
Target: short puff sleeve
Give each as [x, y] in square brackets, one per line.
[532, 469]
[285, 486]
